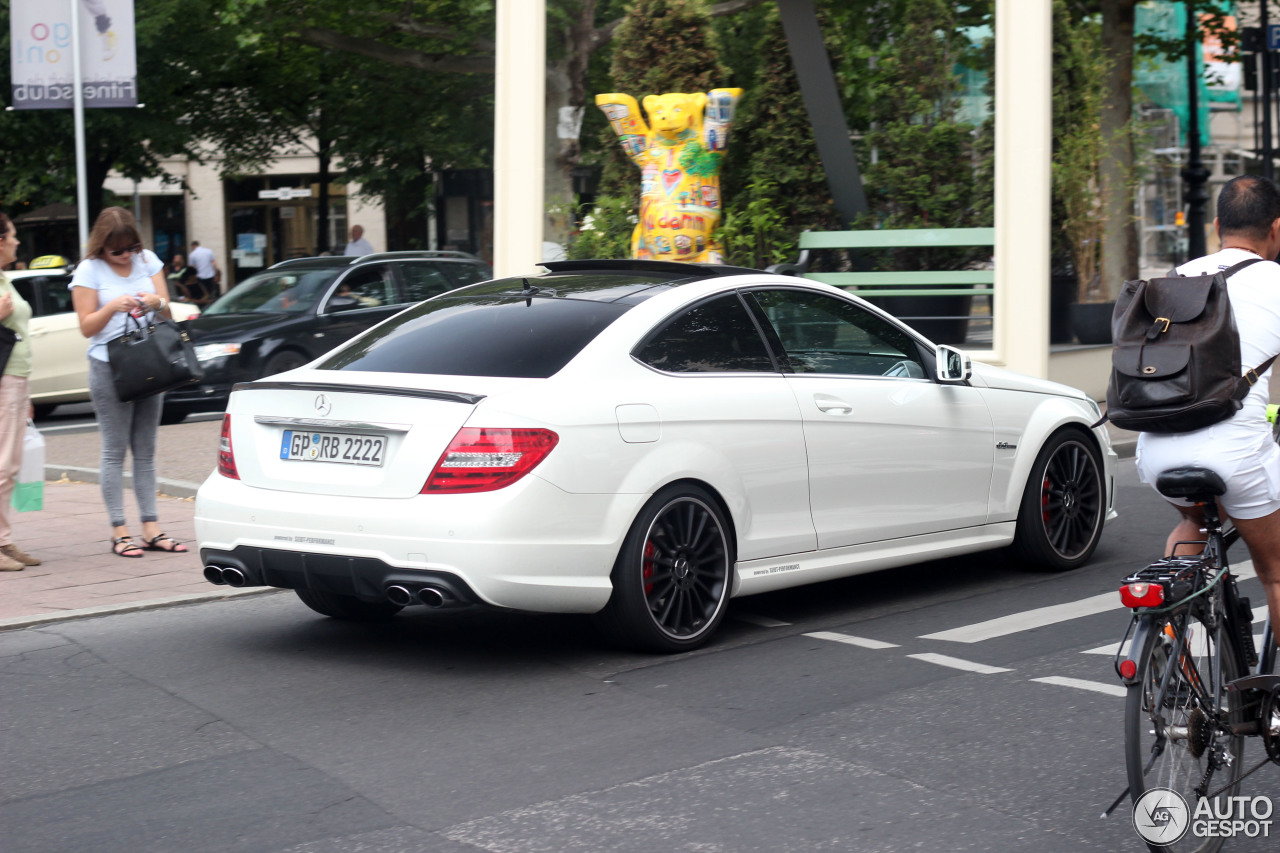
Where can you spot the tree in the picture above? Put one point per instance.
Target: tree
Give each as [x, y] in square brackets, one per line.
[774, 186]
[188, 96]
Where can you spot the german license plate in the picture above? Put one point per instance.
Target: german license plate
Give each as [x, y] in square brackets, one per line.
[343, 448]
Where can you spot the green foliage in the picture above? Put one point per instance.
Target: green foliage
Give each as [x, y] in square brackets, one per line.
[926, 168]
[185, 79]
[606, 233]
[1079, 81]
[774, 186]
[754, 233]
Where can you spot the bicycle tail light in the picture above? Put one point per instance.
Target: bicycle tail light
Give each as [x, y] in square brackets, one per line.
[1142, 594]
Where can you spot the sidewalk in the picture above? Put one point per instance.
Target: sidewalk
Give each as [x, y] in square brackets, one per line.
[80, 577]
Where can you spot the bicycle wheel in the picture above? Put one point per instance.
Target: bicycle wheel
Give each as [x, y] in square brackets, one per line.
[1174, 722]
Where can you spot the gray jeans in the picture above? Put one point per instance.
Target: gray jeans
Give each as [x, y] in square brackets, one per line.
[125, 426]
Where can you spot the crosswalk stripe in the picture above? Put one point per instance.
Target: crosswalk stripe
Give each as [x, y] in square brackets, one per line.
[1053, 614]
[1081, 684]
[862, 642]
[1111, 649]
[957, 663]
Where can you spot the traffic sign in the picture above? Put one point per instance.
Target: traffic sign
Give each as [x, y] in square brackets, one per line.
[1273, 37]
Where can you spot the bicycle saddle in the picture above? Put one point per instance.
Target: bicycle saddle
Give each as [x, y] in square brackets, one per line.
[1191, 483]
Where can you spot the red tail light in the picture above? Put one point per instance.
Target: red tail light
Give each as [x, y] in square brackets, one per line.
[227, 456]
[1142, 595]
[482, 460]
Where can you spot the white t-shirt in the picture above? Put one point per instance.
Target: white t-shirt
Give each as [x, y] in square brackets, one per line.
[1226, 445]
[202, 259]
[359, 247]
[98, 275]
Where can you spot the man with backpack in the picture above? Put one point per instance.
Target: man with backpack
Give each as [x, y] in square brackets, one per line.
[1239, 448]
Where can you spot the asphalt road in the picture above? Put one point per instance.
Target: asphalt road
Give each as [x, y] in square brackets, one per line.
[820, 719]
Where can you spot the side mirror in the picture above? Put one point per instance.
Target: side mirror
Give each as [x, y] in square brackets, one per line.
[342, 303]
[953, 365]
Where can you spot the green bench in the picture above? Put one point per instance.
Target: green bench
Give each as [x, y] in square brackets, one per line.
[909, 283]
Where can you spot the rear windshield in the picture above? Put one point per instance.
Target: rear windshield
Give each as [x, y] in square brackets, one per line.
[485, 336]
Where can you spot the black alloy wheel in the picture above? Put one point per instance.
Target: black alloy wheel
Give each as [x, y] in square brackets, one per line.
[1063, 506]
[672, 578]
[282, 361]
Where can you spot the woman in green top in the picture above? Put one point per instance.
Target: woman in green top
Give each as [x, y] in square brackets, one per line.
[15, 404]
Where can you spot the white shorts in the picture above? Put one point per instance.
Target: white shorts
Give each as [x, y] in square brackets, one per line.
[1253, 479]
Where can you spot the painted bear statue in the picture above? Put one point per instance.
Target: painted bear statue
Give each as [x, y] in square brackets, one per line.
[679, 154]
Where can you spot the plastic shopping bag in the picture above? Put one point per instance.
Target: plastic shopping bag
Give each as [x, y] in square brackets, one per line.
[28, 492]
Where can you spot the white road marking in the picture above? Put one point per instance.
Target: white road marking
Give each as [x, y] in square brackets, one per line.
[1053, 614]
[762, 621]
[1259, 616]
[862, 642]
[957, 663]
[1081, 684]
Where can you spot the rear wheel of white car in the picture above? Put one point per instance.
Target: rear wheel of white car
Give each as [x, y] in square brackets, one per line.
[1064, 505]
[347, 607]
[671, 580]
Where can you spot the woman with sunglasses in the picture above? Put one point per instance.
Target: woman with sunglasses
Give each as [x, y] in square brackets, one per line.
[119, 276]
[15, 405]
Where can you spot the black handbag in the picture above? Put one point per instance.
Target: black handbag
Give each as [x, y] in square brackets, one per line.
[8, 337]
[151, 358]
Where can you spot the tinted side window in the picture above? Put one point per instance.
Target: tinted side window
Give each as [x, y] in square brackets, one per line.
[468, 273]
[826, 334]
[370, 286]
[424, 280]
[713, 337]
[46, 294]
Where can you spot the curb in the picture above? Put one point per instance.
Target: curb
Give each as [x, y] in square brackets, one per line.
[1125, 448]
[14, 623]
[172, 488]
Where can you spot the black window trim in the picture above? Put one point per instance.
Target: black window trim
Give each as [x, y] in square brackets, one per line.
[926, 355]
[660, 327]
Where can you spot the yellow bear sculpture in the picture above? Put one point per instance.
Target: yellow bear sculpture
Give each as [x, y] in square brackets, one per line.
[679, 157]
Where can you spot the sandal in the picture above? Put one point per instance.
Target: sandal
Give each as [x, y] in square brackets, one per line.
[122, 546]
[176, 548]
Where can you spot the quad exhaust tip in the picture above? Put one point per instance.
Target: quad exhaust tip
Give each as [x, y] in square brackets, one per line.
[399, 595]
[431, 596]
[233, 577]
[213, 574]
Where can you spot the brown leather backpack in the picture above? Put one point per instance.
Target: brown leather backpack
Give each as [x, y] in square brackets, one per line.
[1175, 363]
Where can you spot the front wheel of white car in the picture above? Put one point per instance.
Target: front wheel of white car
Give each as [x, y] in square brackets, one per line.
[671, 580]
[1063, 506]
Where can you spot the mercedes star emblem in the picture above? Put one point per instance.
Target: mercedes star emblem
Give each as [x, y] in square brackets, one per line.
[323, 406]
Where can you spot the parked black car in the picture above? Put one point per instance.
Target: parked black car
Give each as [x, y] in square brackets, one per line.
[300, 309]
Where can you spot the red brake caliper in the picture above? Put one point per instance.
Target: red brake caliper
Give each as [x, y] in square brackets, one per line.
[647, 566]
[1044, 500]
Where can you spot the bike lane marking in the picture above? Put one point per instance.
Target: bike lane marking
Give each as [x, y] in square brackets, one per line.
[1053, 614]
[1082, 684]
[1198, 645]
[861, 642]
[958, 663]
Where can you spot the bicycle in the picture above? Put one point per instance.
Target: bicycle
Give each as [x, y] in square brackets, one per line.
[1192, 700]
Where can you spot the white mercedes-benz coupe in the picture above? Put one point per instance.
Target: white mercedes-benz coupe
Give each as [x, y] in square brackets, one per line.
[642, 441]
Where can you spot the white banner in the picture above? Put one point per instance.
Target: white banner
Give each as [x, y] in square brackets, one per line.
[41, 61]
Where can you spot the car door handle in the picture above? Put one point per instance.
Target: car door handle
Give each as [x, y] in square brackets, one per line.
[832, 404]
